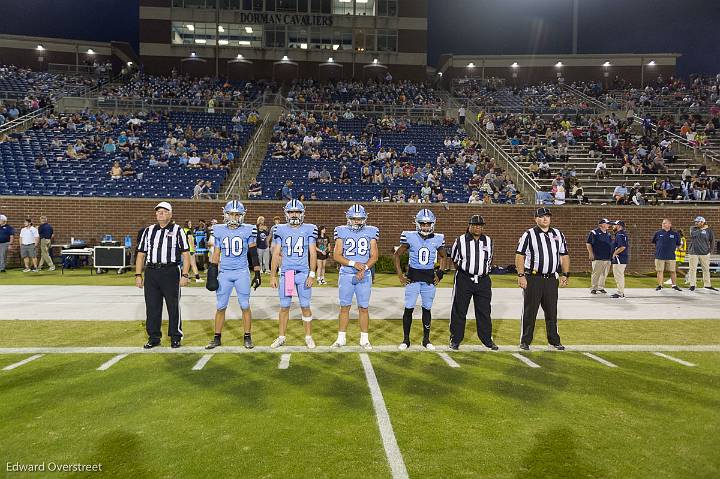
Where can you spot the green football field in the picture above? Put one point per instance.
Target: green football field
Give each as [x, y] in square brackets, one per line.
[471, 414]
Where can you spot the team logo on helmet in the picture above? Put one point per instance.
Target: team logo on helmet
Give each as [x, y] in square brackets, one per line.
[234, 213]
[356, 217]
[294, 213]
[425, 222]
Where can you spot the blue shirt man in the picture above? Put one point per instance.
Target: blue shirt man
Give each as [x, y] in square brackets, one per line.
[45, 230]
[666, 241]
[620, 256]
[599, 246]
[410, 150]
[7, 234]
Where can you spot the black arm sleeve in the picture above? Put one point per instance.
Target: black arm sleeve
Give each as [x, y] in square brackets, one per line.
[253, 259]
[212, 278]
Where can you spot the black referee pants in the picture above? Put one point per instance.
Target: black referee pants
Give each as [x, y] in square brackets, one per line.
[543, 292]
[464, 290]
[162, 284]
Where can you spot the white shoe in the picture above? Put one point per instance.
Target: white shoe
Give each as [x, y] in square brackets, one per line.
[402, 346]
[367, 346]
[199, 280]
[338, 344]
[430, 347]
[310, 343]
[26, 270]
[51, 268]
[277, 343]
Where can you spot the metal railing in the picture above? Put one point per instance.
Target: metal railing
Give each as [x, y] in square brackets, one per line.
[522, 179]
[431, 111]
[22, 121]
[584, 97]
[181, 104]
[707, 154]
[238, 177]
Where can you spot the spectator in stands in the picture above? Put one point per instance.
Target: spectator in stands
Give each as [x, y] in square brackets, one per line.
[544, 169]
[199, 189]
[209, 193]
[40, 162]
[194, 161]
[560, 195]
[474, 198]
[601, 170]
[410, 149]
[344, 176]
[116, 171]
[109, 147]
[313, 175]
[255, 191]
[287, 191]
[620, 194]
[668, 189]
[128, 169]
[577, 193]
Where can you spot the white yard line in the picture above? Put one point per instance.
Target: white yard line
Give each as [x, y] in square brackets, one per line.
[107, 364]
[594, 348]
[202, 362]
[600, 360]
[20, 363]
[672, 358]
[284, 361]
[526, 360]
[450, 361]
[392, 451]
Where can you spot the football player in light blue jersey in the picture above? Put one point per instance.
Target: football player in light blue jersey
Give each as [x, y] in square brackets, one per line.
[356, 251]
[236, 253]
[294, 247]
[423, 246]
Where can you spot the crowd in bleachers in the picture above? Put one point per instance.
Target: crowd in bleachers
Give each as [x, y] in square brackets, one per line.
[349, 94]
[21, 83]
[98, 154]
[185, 90]
[327, 157]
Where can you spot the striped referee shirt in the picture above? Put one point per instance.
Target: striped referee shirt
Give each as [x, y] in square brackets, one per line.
[474, 256]
[542, 249]
[163, 245]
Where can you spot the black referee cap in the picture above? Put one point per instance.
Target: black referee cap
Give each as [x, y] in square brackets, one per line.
[476, 220]
[542, 212]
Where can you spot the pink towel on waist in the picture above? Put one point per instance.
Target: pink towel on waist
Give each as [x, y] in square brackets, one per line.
[289, 283]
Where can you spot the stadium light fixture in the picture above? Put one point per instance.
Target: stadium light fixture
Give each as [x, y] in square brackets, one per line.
[239, 56]
[345, 1]
[651, 63]
[471, 65]
[559, 64]
[285, 58]
[90, 51]
[335, 46]
[361, 1]
[607, 64]
[221, 29]
[248, 30]
[244, 43]
[331, 60]
[439, 74]
[129, 64]
[200, 41]
[190, 27]
[375, 61]
[40, 48]
[223, 42]
[193, 54]
[515, 65]
[303, 46]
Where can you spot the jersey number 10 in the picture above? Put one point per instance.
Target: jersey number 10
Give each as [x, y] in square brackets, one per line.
[233, 247]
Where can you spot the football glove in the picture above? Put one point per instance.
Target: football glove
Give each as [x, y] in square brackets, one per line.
[256, 282]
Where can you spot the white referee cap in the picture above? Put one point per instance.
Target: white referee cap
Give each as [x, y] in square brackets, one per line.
[164, 204]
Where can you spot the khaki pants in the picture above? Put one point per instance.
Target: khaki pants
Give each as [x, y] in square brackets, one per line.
[45, 253]
[704, 260]
[599, 273]
[619, 275]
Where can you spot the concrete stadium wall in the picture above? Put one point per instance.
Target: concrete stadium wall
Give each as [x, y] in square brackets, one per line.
[90, 219]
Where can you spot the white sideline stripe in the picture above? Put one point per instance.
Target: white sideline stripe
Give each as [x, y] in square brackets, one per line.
[450, 361]
[202, 362]
[284, 361]
[107, 364]
[672, 358]
[392, 451]
[595, 348]
[526, 360]
[600, 360]
[24, 361]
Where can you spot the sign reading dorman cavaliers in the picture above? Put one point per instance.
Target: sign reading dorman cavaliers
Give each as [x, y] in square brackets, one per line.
[285, 19]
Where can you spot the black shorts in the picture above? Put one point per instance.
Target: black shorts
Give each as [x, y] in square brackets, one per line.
[322, 256]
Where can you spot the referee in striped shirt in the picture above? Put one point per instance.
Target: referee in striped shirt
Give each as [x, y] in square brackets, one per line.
[472, 254]
[542, 253]
[160, 249]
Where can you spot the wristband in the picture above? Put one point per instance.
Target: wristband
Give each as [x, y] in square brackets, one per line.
[567, 275]
[521, 275]
[366, 267]
[138, 274]
[312, 274]
[185, 275]
[351, 264]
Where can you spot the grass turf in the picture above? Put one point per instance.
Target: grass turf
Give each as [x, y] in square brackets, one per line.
[82, 277]
[18, 333]
[151, 416]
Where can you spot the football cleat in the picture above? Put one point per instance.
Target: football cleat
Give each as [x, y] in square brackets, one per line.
[338, 344]
[278, 342]
[429, 346]
[247, 341]
[309, 342]
[403, 346]
[367, 346]
[214, 343]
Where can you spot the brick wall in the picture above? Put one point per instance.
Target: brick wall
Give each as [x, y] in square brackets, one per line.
[92, 218]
